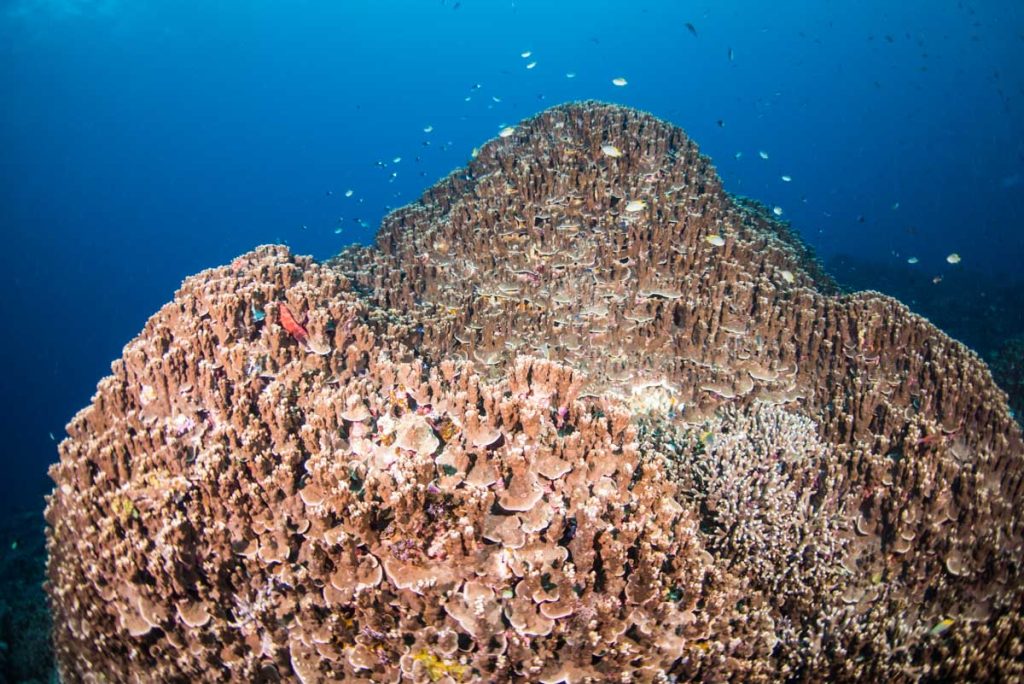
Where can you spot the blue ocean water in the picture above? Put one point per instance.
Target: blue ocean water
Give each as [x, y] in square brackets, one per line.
[141, 142]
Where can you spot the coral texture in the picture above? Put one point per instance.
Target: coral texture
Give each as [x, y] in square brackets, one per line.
[576, 417]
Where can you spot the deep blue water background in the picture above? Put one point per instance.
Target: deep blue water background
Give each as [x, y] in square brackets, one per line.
[143, 141]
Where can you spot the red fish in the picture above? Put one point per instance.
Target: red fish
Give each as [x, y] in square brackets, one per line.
[293, 327]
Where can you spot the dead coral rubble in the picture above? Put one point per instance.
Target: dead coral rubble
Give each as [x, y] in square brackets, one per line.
[532, 436]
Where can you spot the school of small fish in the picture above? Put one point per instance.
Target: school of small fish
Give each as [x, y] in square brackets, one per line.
[614, 152]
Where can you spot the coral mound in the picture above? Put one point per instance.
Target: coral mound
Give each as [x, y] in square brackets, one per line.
[576, 417]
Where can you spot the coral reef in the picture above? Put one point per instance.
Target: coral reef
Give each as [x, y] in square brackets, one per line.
[995, 329]
[576, 417]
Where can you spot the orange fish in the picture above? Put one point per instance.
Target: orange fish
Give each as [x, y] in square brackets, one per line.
[293, 327]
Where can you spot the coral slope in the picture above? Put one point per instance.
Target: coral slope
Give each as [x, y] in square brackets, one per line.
[576, 417]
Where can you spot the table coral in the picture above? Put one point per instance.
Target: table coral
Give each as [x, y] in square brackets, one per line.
[548, 432]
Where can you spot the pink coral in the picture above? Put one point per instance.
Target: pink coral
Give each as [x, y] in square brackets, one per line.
[542, 443]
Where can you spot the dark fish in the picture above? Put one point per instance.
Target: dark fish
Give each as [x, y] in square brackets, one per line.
[691, 28]
[721, 123]
[732, 55]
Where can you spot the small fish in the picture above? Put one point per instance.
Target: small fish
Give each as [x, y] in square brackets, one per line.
[941, 626]
[531, 65]
[428, 128]
[526, 54]
[912, 260]
[787, 276]
[297, 331]
[348, 193]
[619, 81]
[732, 55]
[715, 240]
[292, 326]
[612, 151]
[258, 315]
[506, 132]
[721, 123]
[692, 29]
[787, 179]
[762, 154]
[570, 74]
[953, 258]
[635, 206]
[396, 160]
[777, 211]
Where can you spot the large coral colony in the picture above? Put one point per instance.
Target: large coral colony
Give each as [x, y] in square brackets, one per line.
[578, 416]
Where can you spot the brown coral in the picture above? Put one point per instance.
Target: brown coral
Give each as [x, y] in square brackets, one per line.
[542, 439]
